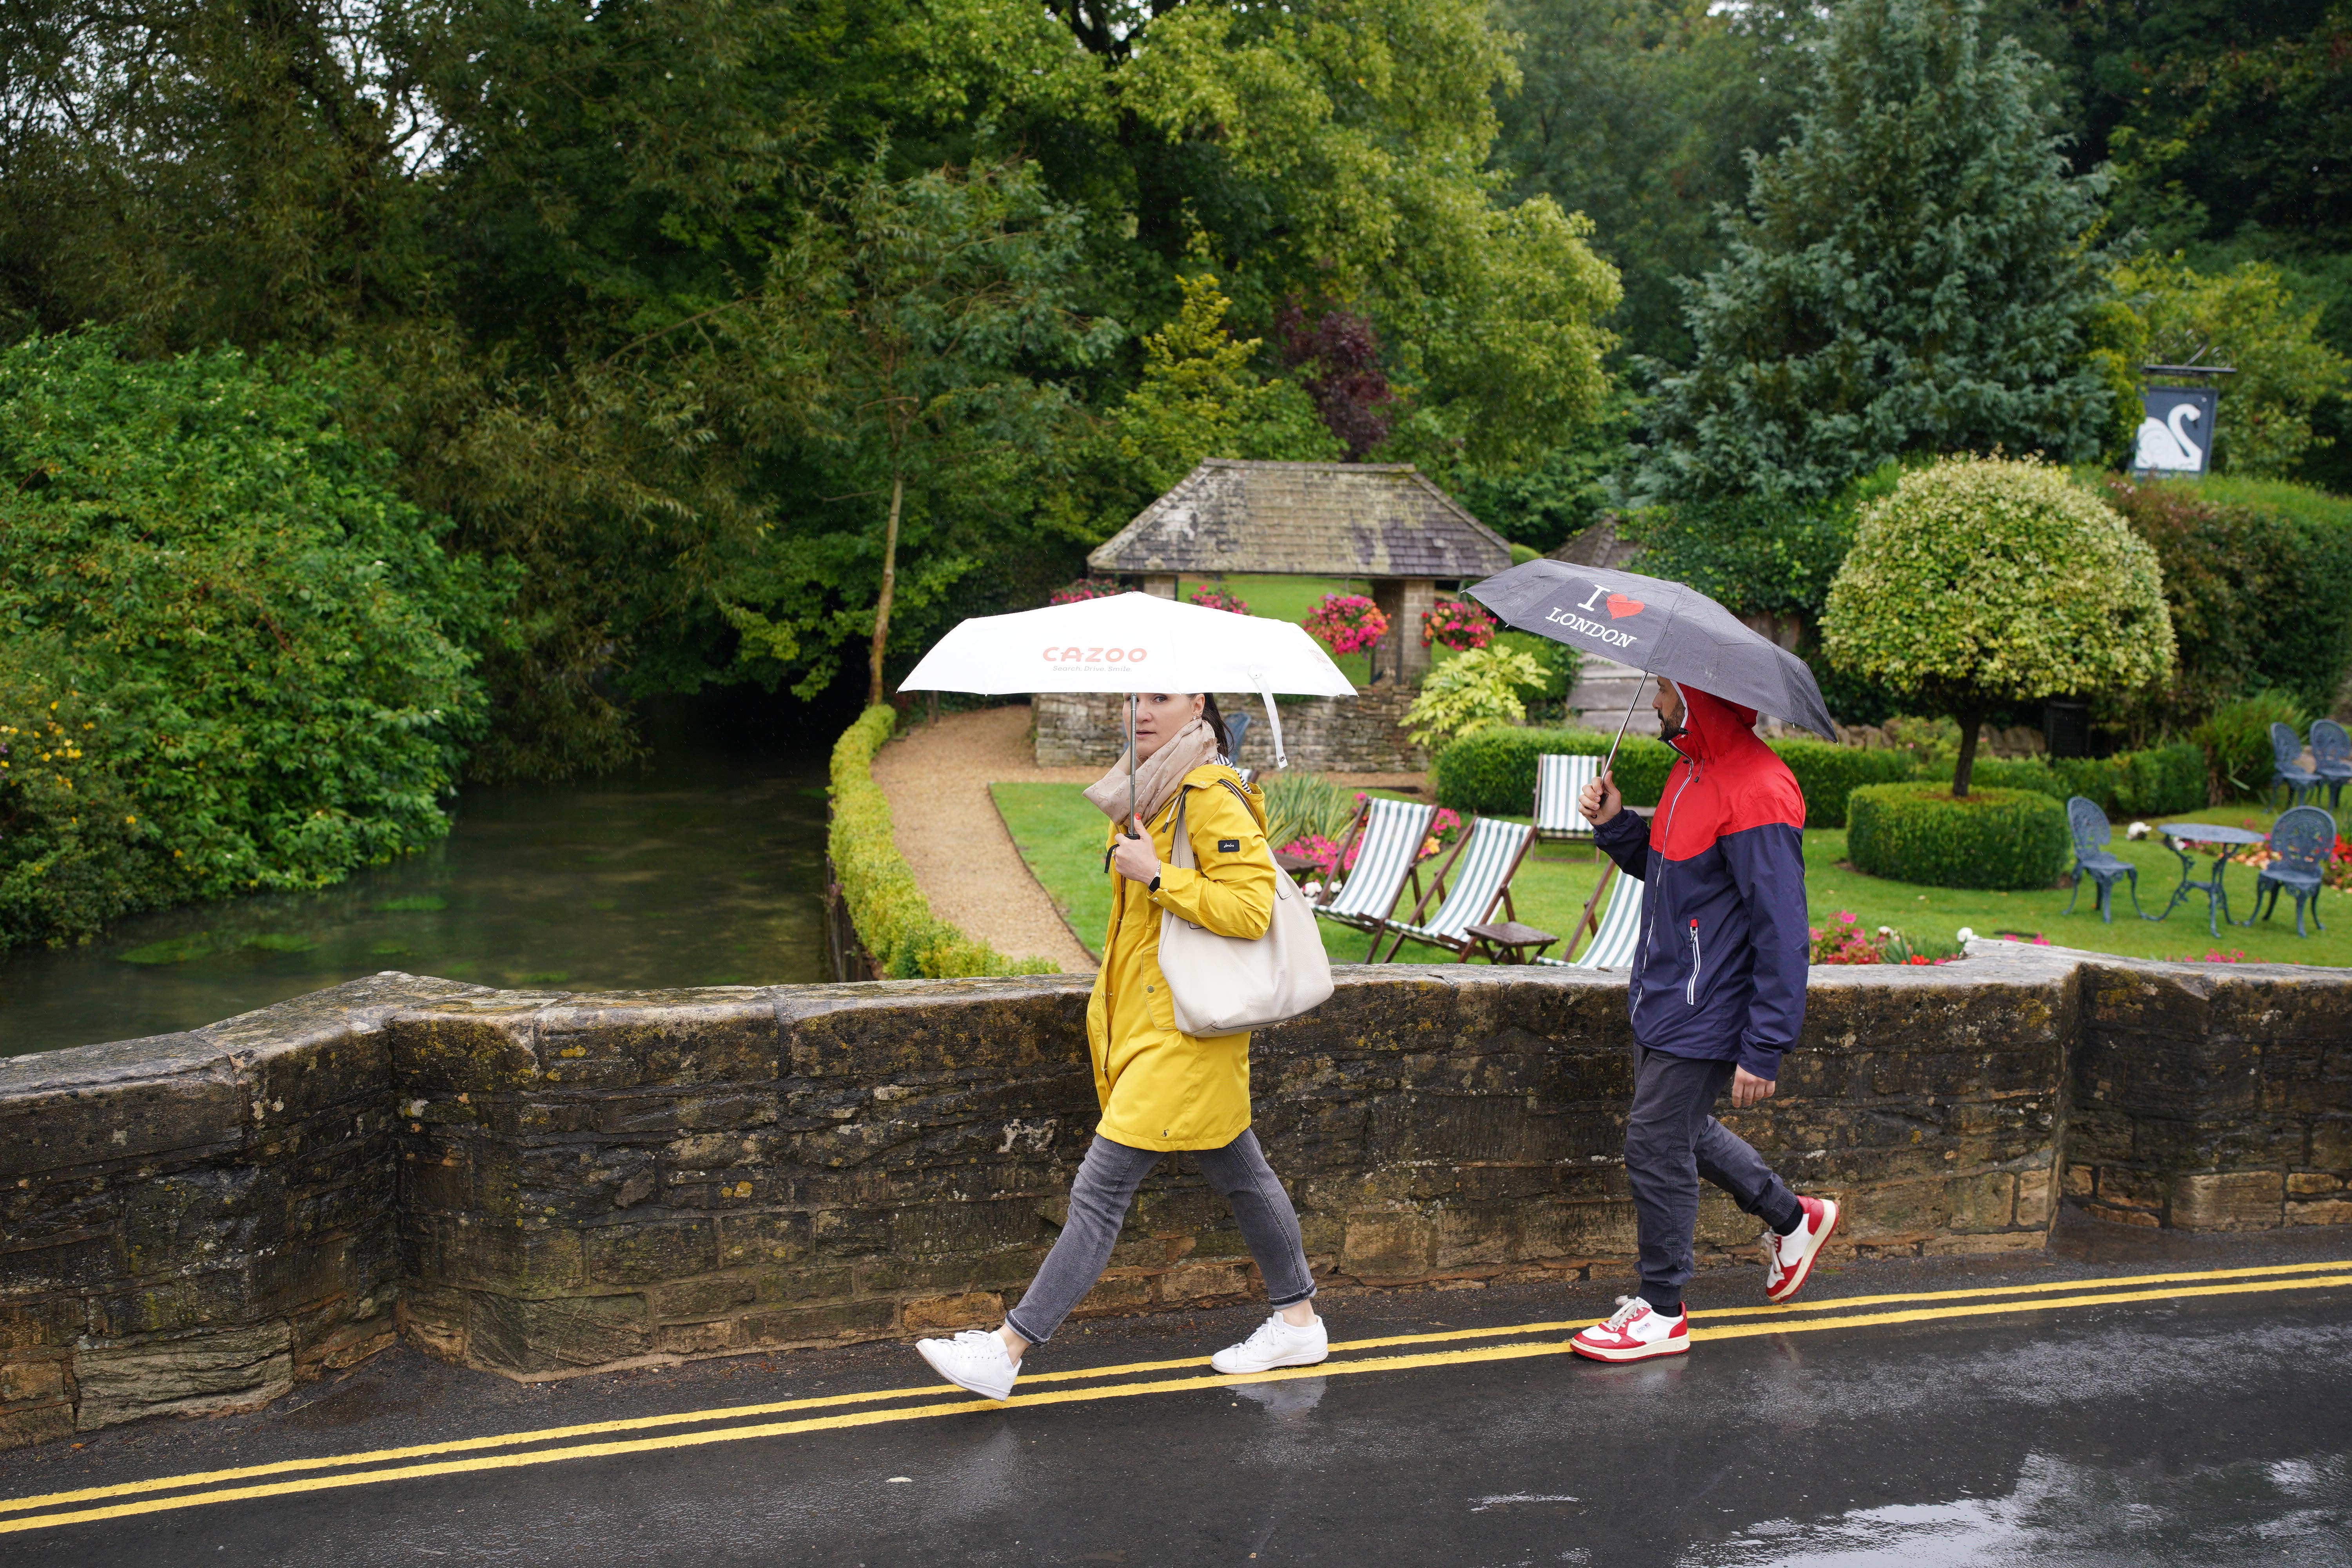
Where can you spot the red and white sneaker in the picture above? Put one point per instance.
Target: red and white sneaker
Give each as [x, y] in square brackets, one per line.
[1633, 1332]
[1789, 1259]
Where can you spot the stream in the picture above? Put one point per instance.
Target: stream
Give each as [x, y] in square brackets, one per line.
[705, 868]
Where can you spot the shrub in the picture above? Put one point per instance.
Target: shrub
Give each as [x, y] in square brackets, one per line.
[1827, 773]
[892, 917]
[274, 648]
[1218, 599]
[1988, 838]
[1300, 805]
[75, 852]
[1493, 771]
[1980, 582]
[2129, 783]
[1561, 663]
[1471, 692]
[2236, 742]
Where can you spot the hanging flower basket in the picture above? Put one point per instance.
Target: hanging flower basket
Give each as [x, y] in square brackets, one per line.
[1458, 624]
[1346, 623]
[1218, 599]
[1085, 588]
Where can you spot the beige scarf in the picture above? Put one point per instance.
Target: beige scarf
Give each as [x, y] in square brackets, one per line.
[1156, 780]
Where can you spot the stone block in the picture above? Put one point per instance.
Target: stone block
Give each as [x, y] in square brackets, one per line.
[504, 1333]
[2231, 1200]
[1122, 1290]
[705, 1298]
[2319, 1211]
[1200, 1281]
[204, 1372]
[32, 1382]
[636, 1252]
[971, 1310]
[35, 1423]
[2307, 1184]
[2035, 1203]
[832, 1321]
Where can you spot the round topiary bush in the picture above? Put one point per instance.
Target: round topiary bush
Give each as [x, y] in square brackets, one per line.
[1989, 838]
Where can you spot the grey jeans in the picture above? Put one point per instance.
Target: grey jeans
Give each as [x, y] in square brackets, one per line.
[1098, 1200]
[1672, 1139]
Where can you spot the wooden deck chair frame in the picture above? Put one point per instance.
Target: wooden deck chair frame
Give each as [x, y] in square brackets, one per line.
[1381, 925]
[1588, 924]
[1461, 948]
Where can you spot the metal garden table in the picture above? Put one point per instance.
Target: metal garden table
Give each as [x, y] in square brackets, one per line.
[2221, 842]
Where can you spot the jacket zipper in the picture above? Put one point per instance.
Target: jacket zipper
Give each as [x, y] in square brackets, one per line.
[1690, 991]
[1671, 807]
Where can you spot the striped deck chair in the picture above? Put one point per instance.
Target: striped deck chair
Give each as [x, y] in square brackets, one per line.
[1476, 879]
[1559, 780]
[1387, 835]
[1615, 934]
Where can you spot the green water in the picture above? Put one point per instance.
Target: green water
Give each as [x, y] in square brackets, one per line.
[701, 869]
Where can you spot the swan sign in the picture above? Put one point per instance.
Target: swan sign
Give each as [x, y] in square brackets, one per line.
[2176, 430]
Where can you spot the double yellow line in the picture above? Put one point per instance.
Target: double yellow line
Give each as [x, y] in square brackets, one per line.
[550, 1444]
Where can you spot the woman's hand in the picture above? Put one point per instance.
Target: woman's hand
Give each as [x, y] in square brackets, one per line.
[1136, 858]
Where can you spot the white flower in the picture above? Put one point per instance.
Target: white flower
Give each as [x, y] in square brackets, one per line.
[2137, 831]
[1967, 935]
[1886, 931]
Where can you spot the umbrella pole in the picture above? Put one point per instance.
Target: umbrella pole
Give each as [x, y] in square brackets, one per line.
[1129, 823]
[1622, 725]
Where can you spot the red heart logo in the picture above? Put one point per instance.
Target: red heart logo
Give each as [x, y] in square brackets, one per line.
[1620, 606]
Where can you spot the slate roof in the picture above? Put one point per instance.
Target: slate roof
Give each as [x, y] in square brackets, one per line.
[1325, 520]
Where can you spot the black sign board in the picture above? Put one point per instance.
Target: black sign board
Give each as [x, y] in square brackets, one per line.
[2176, 430]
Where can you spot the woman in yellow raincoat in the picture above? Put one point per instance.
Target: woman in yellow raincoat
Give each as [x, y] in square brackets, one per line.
[1160, 1089]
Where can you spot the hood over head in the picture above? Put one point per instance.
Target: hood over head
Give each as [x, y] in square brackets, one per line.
[1713, 728]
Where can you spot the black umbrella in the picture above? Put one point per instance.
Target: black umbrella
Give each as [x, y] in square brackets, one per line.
[1659, 628]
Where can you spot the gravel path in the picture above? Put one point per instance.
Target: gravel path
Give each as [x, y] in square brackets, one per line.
[936, 777]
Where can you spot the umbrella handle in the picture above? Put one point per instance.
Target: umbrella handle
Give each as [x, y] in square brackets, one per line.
[1128, 826]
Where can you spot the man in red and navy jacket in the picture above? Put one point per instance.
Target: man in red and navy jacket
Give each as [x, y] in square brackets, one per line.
[1718, 995]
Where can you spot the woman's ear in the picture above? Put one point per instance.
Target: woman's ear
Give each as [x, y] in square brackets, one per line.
[1200, 704]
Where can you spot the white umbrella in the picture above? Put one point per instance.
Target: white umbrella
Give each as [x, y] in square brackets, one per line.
[1132, 642]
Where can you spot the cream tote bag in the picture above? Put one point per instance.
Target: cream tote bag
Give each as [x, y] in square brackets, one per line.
[1224, 985]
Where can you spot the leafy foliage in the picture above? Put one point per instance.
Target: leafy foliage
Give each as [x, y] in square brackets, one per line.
[1979, 582]
[1912, 275]
[270, 648]
[2236, 740]
[1988, 838]
[892, 917]
[1560, 664]
[1300, 805]
[1828, 773]
[1459, 624]
[1470, 692]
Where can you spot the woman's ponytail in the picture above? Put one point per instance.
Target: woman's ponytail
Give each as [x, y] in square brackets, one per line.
[1217, 726]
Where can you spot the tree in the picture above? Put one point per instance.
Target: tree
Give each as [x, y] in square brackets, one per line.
[922, 309]
[1914, 274]
[1199, 397]
[2246, 319]
[1985, 581]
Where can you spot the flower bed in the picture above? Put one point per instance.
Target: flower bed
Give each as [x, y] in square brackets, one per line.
[1843, 942]
[1324, 851]
[1218, 599]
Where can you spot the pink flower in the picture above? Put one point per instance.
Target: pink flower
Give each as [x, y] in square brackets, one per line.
[1846, 918]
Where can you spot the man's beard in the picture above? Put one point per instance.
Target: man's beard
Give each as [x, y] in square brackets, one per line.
[1670, 730]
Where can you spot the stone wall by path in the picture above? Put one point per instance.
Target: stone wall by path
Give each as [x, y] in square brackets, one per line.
[541, 1184]
[1359, 734]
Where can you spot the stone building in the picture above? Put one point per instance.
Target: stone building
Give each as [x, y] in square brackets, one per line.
[1382, 522]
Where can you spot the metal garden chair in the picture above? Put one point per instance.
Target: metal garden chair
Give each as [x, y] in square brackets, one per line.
[1616, 932]
[1560, 781]
[1475, 878]
[2093, 834]
[2302, 839]
[2331, 755]
[2287, 766]
[1387, 836]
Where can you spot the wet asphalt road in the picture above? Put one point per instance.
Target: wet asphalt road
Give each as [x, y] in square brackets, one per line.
[1983, 1423]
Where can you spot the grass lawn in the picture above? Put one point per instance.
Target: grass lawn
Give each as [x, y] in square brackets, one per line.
[1060, 838]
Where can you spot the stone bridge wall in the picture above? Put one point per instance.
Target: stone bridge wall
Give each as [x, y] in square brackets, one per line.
[1359, 734]
[541, 1184]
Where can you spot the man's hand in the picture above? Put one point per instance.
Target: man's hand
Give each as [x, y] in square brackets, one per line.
[1136, 858]
[1748, 1089]
[1601, 801]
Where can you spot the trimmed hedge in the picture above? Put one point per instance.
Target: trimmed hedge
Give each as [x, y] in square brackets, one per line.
[1828, 773]
[1993, 838]
[1493, 771]
[2153, 782]
[892, 917]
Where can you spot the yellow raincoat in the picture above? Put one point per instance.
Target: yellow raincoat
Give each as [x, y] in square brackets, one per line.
[1160, 1088]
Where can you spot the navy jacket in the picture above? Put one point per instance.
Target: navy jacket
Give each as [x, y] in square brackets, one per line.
[1719, 971]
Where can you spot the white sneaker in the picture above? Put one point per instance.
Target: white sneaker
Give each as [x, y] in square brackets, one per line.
[975, 1359]
[1633, 1332]
[1789, 1259]
[1276, 1344]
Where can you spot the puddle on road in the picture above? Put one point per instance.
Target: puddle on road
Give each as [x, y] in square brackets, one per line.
[2063, 1514]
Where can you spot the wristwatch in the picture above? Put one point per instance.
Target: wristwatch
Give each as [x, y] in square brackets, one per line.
[1153, 886]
